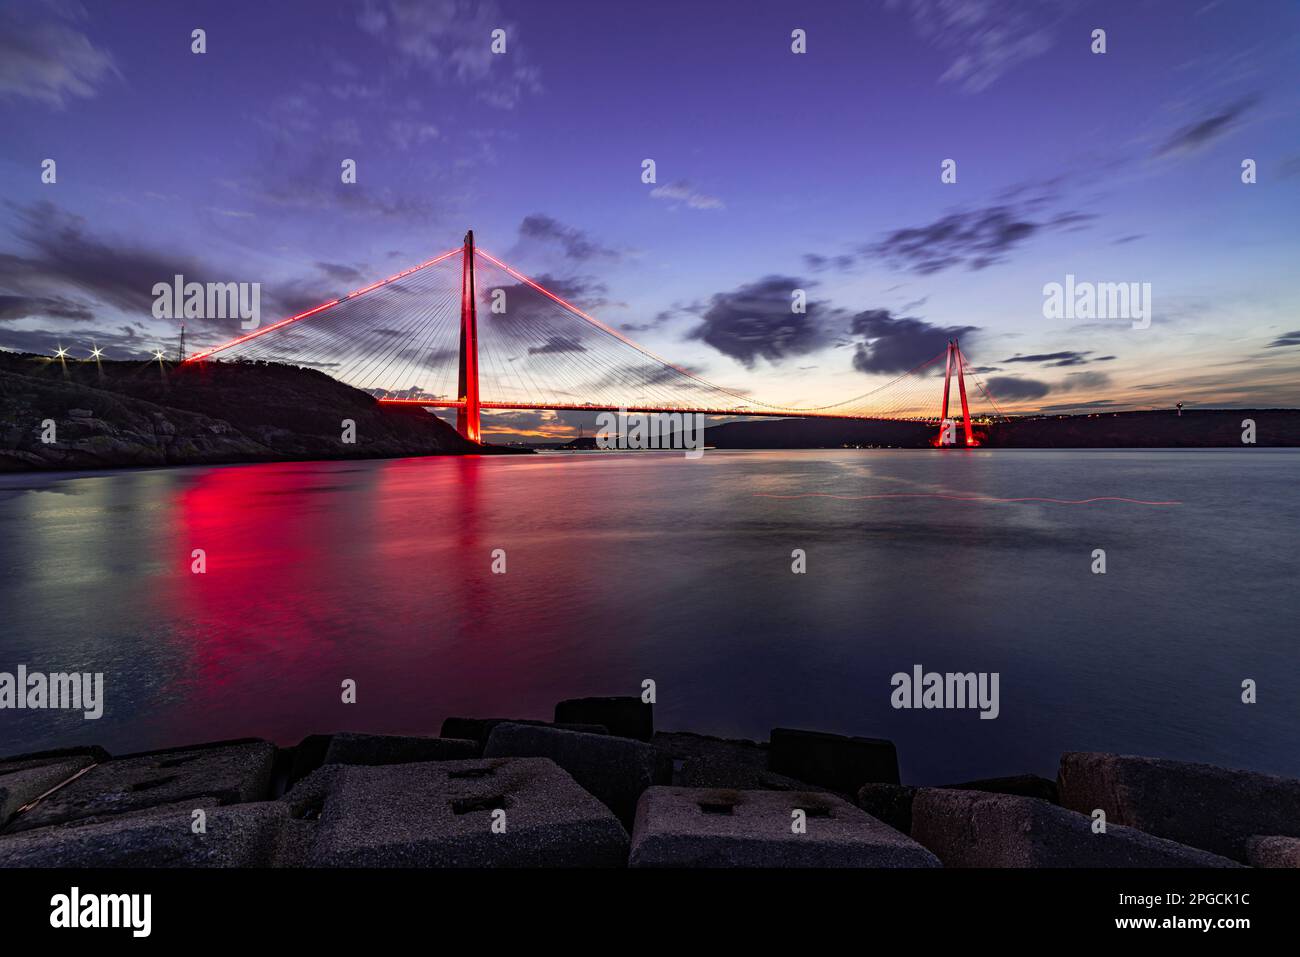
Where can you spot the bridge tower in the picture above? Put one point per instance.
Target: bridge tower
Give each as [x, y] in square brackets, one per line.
[954, 353]
[467, 414]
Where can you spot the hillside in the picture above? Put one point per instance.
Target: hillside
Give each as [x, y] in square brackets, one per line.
[115, 414]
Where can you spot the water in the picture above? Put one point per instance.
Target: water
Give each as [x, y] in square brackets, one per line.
[622, 567]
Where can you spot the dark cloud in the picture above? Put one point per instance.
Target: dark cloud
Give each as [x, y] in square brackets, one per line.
[1286, 339]
[974, 238]
[54, 307]
[1013, 388]
[820, 263]
[557, 344]
[61, 253]
[341, 273]
[1067, 358]
[887, 343]
[575, 243]
[1193, 137]
[756, 321]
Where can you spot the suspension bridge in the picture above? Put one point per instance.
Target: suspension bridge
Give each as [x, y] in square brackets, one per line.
[521, 346]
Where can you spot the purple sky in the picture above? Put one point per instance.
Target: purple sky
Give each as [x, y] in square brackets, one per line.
[775, 171]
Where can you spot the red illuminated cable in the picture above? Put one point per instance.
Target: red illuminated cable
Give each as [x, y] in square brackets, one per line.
[323, 306]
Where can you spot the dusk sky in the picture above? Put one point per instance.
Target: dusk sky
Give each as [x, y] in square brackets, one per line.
[775, 171]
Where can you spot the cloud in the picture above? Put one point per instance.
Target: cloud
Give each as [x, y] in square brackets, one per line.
[888, 343]
[1067, 358]
[61, 253]
[341, 273]
[1286, 339]
[974, 238]
[48, 61]
[1013, 388]
[557, 344]
[452, 41]
[576, 244]
[985, 39]
[1193, 137]
[818, 262]
[408, 133]
[756, 321]
[681, 192]
[31, 307]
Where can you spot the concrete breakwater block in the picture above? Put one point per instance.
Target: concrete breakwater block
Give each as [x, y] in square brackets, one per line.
[376, 749]
[1025, 785]
[981, 829]
[833, 761]
[25, 778]
[699, 761]
[235, 835]
[222, 773]
[713, 827]
[615, 770]
[1198, 804]
[479, 729]
[890, 803]
[626, 717]
[1273, 851]
[441, 814]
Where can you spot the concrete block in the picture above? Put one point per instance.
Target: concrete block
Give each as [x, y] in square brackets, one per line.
[237, 835]
[375, 749]
[1198, 804]
[616, 770]
[626, 717]
[981, 829]
[1024, 785]
[440, 814]
[225, 772]
[833, 761]
[1273, 851]
[25, 778]
[699, 761]
[478, 729]
[890, 803]
[709, 827]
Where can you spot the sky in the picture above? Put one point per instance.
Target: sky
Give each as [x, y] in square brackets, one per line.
[774, 171]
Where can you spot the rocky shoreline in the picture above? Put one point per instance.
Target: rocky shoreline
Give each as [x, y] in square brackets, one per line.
[599, 787]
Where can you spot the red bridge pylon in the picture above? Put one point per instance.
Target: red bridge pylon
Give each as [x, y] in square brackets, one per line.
[954, 352]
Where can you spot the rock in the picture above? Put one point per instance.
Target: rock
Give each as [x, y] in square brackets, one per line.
[615, 770]
[711, 827]
[238, 835]
[224, 773]
[626, 717]
[831, 760]
[980, 829]
[890, 803]
[478, 729]
[374, 749]
[699, 761]
[440, 814]
[1273, 851]
[25, 778]
[1025, 785]
[1197, 804]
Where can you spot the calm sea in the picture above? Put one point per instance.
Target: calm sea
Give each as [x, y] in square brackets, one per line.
[632, 566]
